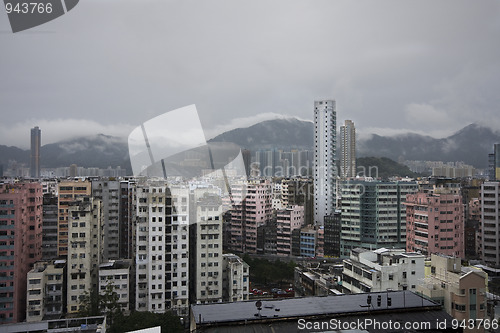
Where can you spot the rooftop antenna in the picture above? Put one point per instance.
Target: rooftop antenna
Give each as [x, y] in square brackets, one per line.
[258, 304]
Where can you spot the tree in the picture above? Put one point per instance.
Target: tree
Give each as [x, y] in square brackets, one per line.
[108, 303]
[96, 304]
[89, 304]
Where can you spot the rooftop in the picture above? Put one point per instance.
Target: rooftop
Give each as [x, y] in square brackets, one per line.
[353, 304]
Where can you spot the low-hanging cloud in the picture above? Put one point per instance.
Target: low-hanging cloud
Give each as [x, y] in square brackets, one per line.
[57, 130]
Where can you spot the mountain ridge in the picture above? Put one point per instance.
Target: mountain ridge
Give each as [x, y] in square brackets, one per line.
[471, 144]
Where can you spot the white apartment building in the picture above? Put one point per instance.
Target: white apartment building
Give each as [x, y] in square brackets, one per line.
[45, 290]
[325, 173]
[84, 249]
[236, 279]
[490, 224]
[162, 243]
[206, 242]
[117, 274]
[382, 270]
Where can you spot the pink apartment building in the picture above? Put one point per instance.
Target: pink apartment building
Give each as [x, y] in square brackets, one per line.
[21, 208]
[287, 220]
[435, 224]
[249, 214]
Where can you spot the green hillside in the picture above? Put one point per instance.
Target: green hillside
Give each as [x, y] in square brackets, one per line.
[385, 166]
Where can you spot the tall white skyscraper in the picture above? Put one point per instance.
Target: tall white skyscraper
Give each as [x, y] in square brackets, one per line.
[348, 150]
[325, 172]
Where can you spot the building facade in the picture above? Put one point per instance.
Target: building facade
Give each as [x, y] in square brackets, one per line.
[46, 291]
[162, 248]
[461, 290]
[325, 172]
[84, 250]
[36, 144]
[374, 215]
[287, 220]
[49, 227]
[117, 273]
[236, 278]
[494, 163]
[20, 245]
[206, 249]
[347, 150]
[490, 224]
[333, 229]
[68, 191]
[108, 191]
[435, 224]
[253, 209]
[381, 270]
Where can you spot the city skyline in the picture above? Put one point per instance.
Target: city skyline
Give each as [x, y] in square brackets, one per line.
[388, 79]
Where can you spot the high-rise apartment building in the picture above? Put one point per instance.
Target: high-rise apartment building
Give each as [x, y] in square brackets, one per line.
[374, 215]
[127, 190]
[236, 278]
[333, 230]
[49, 227]
[299, 191]
[287, 220]
[494, 163]
[325, 172]
[108, 191]
[36, 142]
[435, 224]
[84, 249]
[348, 150]
[308, 241]
[20, 245]
[68, 191]
[253, 209]
[162, 248]
[490, 224]
[205, 241]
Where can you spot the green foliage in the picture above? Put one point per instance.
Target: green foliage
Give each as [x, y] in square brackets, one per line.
[141, 320]
[95, 304]
[386, 168]
[89, 304]
[265, 271]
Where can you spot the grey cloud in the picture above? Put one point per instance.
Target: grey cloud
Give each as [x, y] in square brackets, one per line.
[124, 62]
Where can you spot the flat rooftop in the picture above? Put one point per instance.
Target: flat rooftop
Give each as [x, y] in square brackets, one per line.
[340, 305]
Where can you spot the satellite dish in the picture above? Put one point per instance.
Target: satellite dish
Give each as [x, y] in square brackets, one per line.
[258, 304]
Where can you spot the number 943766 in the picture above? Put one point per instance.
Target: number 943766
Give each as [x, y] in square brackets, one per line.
[29, 8]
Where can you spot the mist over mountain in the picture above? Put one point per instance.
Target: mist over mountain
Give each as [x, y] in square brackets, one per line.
[472, 144]
[98, 151]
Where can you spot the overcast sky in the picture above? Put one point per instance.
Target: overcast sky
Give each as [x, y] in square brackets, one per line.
[107, 66]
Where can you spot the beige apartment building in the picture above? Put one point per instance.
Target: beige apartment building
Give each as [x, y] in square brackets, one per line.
[461, 290]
